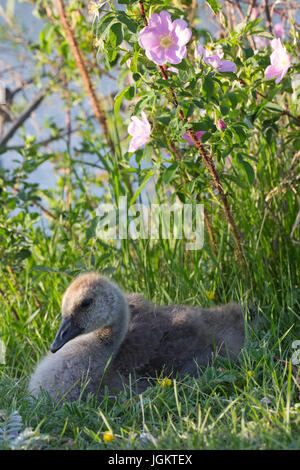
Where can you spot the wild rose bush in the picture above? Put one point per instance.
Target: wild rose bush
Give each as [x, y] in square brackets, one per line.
[154, 109]
[209, 118]
[207, 86]
[235, 98]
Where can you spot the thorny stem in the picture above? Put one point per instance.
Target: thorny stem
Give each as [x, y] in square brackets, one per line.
[143, 13]
[212, 240]
[208, 161]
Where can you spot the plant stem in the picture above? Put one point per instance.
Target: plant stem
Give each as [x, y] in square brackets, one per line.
[211, 234]
[208, 161]
[99, 112]
[23, 117]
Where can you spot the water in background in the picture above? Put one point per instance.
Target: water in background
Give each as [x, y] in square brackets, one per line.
[52, 107]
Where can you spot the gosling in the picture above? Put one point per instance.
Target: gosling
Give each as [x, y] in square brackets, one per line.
[108, 339]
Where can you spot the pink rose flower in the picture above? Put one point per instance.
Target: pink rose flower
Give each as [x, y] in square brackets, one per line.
[215, 60]
[254, 14]
[165, 40]
[280, 62]
[189, 140]
[276, 43]
[140, 131]
[221, 125]
[173, 69]
[279, 30]
[260, 42]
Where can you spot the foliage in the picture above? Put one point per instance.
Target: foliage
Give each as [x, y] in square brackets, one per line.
[11, 436]
[48, 233]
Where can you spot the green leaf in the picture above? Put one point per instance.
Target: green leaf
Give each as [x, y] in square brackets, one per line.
[229, 378]
[164, 119]
[130, 93]
[125, 58]
[260, 31]
[127, 21]
[145, 181]
[103, 28]
[118, 99]
[46, 36]
[274, 107]
[23, 254]
[204, 125]
[91, 229]
[214, 5]
[116, 32]
[205, 137]
[136, 77]
[240, 133]
[48, 31]
[170, 173]
[208, 86]
[232, 96]
[247, 168]
[142, 103]
[43, 268]
[249, 171]
[148, 153]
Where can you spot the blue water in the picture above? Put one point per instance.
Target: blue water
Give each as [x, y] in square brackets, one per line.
[52, 107]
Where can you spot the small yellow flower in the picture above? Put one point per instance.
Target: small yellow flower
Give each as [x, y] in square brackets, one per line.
[165, 382]
[108, 436]
[250, 372]
[210, 294]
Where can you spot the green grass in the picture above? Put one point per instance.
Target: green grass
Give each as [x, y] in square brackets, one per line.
[251, 404]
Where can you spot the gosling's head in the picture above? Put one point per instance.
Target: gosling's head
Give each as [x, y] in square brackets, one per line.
[91, 302]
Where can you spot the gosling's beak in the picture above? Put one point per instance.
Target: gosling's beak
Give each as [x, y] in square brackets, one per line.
[67, 331]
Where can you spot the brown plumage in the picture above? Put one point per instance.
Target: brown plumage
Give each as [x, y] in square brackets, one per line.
[109, 339]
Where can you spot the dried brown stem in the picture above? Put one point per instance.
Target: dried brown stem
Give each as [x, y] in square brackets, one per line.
[46, 212]
[98, 110]
[24, 116]
[48, 141]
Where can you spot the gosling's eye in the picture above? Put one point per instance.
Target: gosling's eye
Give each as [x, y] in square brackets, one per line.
[86, 303]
